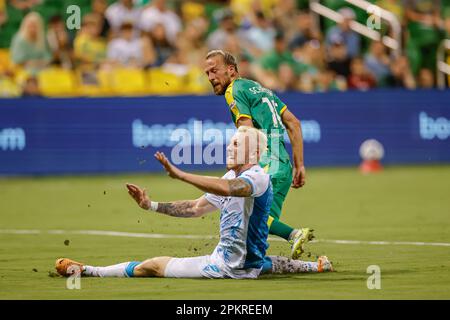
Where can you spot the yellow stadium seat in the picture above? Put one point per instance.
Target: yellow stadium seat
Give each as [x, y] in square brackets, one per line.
[164, 83]
[57, 82]
[128, 82]
[5, 62]
[197, 82]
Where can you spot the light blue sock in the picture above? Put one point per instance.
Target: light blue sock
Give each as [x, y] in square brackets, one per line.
[122, 270]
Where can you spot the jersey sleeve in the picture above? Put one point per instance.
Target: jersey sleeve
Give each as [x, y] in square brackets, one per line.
[279, 105]
[258, 179]
[237, 102]
[216, 200]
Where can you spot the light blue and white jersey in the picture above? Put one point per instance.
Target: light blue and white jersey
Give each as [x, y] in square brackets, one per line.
[243, 226]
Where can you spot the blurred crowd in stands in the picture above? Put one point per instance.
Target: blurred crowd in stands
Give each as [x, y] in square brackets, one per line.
[279, 43]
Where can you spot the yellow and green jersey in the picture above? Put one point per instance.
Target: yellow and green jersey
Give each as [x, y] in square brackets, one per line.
[247, 98]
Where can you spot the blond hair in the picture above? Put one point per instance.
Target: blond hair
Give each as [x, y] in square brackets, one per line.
[228, 58]
[257, 140]
[30, 17]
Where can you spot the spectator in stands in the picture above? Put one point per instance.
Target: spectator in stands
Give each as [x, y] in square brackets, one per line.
[338, 59]
[305, 30]
[326, 81]
[377, 62]
[99, 7]
[235, 46]
[311, 54]
[260, 35]
[30, 88]
[59, 42]
[227, 28]
[350, 38]
[360, 78]
[401, 75]
[128, 51]
[424, 22]
[191, 43]
[426, 79]
[89, 47]
[287, 79]
[285, 17]
[120, 12]
[29, 47]
[164, 49]
[447, 23]
[3, 14]
[269, 70]
[245, 67]
[425, 12]
[156, 15]
[394, 6]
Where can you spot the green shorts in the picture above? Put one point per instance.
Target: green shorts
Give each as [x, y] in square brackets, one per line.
[281, 177]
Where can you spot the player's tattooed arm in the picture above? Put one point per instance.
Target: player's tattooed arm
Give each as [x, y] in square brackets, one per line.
[221, 187]
[181, 209]
[186, 208]
[239, 188]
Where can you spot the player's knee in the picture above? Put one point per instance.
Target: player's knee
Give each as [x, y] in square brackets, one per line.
[153, 267]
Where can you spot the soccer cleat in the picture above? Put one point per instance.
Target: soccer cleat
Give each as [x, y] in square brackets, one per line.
[302, 236]
[324, 265]
[67, 267]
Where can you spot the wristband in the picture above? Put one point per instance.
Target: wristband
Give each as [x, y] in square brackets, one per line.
[153, 206]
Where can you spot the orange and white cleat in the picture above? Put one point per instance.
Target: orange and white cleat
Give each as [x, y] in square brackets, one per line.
[325, 265]
[67, 267]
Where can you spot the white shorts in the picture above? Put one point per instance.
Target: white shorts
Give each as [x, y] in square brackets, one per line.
[204, 267]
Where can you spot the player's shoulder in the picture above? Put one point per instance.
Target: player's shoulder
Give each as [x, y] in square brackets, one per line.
[258, 178]
[257, 173]
[255, 88]
[242, 86]
[247, 84]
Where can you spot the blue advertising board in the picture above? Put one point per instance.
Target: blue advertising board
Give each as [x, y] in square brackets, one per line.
[106, 135]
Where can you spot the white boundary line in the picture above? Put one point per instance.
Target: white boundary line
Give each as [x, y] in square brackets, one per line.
[207, 237]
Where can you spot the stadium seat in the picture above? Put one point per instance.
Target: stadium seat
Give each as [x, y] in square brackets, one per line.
[5, 62]
[57, 82]
[127, 82]
[164, 83]
[197, 82]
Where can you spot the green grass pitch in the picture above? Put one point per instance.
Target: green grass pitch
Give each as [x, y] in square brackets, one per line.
[401, 204]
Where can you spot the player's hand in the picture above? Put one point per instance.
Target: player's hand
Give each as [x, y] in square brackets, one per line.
[171, 170]
[299, 177]
[139, 195]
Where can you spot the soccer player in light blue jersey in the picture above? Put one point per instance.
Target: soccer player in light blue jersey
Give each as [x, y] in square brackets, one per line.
[243, 196]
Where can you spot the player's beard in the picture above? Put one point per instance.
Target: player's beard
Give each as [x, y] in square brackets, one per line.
[221, 88]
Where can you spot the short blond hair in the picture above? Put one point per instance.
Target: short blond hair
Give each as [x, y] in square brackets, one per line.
[257, 138]
[228, 58]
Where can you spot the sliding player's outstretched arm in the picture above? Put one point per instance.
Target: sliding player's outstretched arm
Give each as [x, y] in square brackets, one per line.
[294, 131]
[221, 187]
[181, 209]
